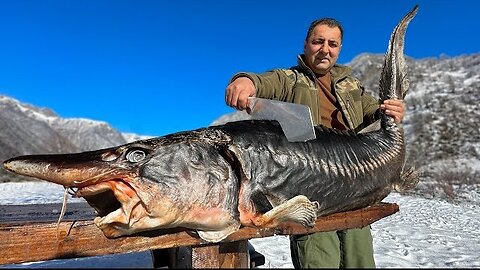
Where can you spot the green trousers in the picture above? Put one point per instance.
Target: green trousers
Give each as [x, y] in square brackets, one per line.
[337, 249]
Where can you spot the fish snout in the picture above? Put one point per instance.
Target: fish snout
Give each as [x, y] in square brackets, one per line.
[40, 167]
[21, 166]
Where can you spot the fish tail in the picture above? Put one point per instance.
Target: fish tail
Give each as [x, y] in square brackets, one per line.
[393, 80]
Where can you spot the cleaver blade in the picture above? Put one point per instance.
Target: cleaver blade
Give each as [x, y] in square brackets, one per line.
[295, 119]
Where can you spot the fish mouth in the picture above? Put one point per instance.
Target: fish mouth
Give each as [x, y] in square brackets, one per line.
[110, 190]
[115, 200]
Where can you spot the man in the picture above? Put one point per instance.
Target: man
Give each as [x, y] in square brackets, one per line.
[336, 100]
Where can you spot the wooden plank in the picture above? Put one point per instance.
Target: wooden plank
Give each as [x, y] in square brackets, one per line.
[217, 255]
[223, 255]
[40, 213]
[233, 254]
[41, 241]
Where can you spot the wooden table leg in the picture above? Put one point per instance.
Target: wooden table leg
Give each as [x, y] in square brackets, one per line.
[221, 255]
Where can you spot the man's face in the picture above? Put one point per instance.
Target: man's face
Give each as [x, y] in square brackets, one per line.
[322, 47]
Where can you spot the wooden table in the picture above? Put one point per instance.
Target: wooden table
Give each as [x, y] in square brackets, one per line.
[29, 233]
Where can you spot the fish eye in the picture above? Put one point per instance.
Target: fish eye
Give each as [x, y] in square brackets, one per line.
[136, 155]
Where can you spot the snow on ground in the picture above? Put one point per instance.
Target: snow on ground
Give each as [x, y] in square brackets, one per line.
[423, 234]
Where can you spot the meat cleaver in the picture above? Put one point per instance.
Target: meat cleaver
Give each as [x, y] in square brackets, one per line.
[295, 119]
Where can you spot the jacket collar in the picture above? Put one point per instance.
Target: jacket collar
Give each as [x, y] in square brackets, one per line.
[338, 71]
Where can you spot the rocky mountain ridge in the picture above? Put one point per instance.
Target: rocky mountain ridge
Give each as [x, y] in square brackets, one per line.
[27, 129]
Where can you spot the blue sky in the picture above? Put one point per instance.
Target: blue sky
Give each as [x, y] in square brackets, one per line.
[159, 67]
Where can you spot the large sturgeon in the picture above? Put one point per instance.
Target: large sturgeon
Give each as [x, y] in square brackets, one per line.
[214, 180]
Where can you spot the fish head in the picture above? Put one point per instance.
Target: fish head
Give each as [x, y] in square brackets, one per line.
[106, 178]
[150, 184]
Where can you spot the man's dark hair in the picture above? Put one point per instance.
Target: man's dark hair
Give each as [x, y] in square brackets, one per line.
[330, 22]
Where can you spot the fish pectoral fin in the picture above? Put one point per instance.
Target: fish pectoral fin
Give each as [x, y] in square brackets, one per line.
[219, 235]
[298, 209]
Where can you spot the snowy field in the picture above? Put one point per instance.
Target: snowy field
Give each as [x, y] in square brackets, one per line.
[423, 234]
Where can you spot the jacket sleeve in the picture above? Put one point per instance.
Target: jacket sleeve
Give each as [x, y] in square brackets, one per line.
[370, 106]
[275, 84]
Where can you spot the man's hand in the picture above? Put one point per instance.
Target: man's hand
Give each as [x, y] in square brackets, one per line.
[394, 108]
[238, 91]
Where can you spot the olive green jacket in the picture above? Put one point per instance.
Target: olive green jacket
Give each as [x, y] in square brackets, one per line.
[298, 85]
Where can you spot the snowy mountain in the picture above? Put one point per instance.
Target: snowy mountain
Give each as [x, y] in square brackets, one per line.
[27, 129]
[442, 121]
[441, 125]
